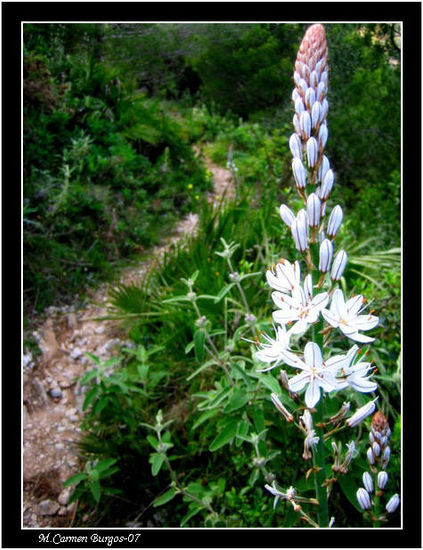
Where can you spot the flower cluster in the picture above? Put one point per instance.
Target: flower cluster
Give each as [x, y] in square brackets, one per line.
[378, 456]
[300, 304]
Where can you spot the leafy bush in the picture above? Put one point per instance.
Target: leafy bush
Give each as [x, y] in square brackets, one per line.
[106, 172]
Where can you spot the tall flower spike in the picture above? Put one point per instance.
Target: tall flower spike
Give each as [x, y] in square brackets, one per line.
[311, 79]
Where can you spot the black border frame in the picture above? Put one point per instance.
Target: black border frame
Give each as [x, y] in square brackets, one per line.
[410, 14]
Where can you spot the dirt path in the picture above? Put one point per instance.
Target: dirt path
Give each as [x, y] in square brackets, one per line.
[52, 394]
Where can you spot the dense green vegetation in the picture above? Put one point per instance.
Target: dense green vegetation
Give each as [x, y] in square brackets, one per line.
[110, 119]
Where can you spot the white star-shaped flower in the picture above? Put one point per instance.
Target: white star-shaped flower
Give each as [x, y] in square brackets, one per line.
[315, 373]
[346, 316]
[289, 495]
[354, 374]
[271, 352]
[300, 306]
[284, 277]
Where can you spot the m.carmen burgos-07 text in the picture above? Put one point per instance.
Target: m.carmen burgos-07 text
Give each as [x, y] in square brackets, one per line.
[108, 540]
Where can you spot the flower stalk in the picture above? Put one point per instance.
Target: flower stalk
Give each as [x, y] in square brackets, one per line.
[316, 302]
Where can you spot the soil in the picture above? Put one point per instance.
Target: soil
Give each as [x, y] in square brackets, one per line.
[52, 394]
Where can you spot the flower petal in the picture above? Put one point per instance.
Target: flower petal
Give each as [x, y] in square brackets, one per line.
[297, 382]
[354, 304]
[320, 300]
[337, 305]
[312, 394]
[363, 385]
[284, 300]
[364, 322]
[299, 327]
[284, 316]
[331, 317]
[293, 360]
[276, 282]
[355, 335]
[313, 355]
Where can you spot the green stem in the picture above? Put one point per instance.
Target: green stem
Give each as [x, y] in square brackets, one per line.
[376, 522]
[320, 468]
[319, 450]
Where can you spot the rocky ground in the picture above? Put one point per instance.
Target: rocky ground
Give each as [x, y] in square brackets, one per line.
[52, 395]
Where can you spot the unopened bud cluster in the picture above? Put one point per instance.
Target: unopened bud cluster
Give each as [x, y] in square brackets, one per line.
[378, 455]
[309, 163]
[379, 451]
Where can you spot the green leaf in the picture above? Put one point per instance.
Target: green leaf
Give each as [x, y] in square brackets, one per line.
[176, 299]
[153, 441]
[216, 400]
[96, 360]
[254, 477]
[239, 368]
[104, 464]
[270, 382]
[199, 342]
[349, 488]
[206, 297]
[75, 479]
[189, 347]
[205, 416]
[100, 405]
[225, 436]
[257, 415]
[156, 460]
[91, 395]
[90, 374]
[166, 497]
[191, 514]
[95, 489]
[200, 369]
[109, 472]
[223, 292]
[247, 275]
[238, 400]
[242, 432]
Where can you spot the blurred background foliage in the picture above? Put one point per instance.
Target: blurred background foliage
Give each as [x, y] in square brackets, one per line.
[111, 114]
[111, 110]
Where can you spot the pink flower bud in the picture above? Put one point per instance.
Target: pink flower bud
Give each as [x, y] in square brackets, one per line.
[321, 91]
[310, 97]
[325, 256]
[305, 124]
[315, 114]
[323, 136]
[363, 499]
[312, 152]
[324, 107]
[335, 220]
[392, 504]
[295, 146]
[327, 185]
[287, 215]
[299, 234]
[338, 267]
[299, 173]
[313, 209]
[368, 482]
[296, 123]
[299, 106]
[382, 480]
